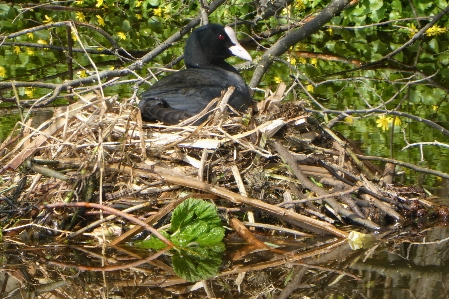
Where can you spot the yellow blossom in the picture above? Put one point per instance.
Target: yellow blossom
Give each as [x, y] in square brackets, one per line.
[277, 79]
[80, 16]
[100, 20]
[82, 74]
[30, 51]
[302, 60]
[138, 3]
[292, 60]
[2, 72]
[30, 35]
[42, 42]
[168, 9]
[99, 3]
[29, 92]
[48, 19]
[111, 68]
[397, 121]
[74, 38]
[412, 29]
[79, 2]
[300, 47]
[121, 35]
[157, 12]
[299, 4]
[309, 87]
[435, 107]
[349, 120]
[331, 31]
[314, 62]
[435, 30]
[17, 49]
[383, 122]
[138, 16]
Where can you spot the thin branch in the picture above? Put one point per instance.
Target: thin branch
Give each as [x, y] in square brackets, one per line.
[295, 36]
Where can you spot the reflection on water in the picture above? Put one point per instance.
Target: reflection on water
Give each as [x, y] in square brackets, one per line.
[410, 265]
[9, 119]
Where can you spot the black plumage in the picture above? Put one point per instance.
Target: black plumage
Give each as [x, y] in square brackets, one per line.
[185, 93]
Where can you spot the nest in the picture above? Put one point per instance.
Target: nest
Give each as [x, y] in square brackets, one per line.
[280, 169]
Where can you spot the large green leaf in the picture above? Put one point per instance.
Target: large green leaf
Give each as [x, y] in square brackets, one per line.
[198, 262]
[193, 210]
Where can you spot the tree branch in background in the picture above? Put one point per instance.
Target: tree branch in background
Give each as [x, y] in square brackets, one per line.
[107, 73]
[295, 36]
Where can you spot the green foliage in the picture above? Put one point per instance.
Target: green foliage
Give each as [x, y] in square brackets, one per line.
[197, 234]
[365, 32]
[198, 262]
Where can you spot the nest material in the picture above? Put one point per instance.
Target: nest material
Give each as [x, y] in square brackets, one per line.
[281, 163]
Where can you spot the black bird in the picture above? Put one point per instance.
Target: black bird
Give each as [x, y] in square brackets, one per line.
[185, 93]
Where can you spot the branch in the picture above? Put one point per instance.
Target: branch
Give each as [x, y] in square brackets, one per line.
[295, 36]
[418, 35]
[390, 112]
[107, 73]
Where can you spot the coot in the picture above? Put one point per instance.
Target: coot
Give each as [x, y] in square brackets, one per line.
[185, 93]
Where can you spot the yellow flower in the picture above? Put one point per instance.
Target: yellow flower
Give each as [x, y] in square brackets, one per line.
[79, 2]
[2, 72]
[300, 47]
[314, 62]
[412, 29]
[99, 3]
[138, 16]
[277, 79]
[111, 68]
[121, 35]
[42, 42]
[168, 9]
[302, 60]
[157, 12]
[331, 31]
[435, 107]
[309, 87]
[383, 122]
[80, 16]
[29, 92]
[74, 38]
[349, 120]
[292, 60]
[435, 30]
[100, 20]
[30, 51]
[138, 3]
[299, 4]
[30, 35]
[17, 49]
[48, 19]
[82, 74]
[397, 121]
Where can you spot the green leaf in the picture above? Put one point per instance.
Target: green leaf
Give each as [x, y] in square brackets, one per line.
[191, 210]
[153, 242]
[198, 263]
[153, 2]
[193, 222]
[126, 26]
[375, 5]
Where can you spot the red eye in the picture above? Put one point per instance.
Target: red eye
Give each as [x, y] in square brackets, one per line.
[221, 37]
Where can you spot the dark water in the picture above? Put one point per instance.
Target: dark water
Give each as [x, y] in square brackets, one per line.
[402, 264]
